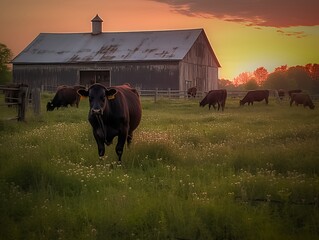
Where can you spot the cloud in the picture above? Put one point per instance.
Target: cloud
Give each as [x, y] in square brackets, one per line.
[300, 34]
[264, 13]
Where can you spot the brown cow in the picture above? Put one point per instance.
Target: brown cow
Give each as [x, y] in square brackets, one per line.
[290, 92]
[76, 88]
[255, 95]
[213, 97]
[302, 98]
[114, 111]
[191, 92]
[64, 97]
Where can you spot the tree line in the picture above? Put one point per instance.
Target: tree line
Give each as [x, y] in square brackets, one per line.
[283, 77]
[5, 58]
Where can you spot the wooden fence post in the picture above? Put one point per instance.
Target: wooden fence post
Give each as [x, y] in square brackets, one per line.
[22, 103]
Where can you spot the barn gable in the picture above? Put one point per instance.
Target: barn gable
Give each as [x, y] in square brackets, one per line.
[175, 59]
[200, 66]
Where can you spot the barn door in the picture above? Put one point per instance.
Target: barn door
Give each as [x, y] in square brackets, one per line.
[89, 77]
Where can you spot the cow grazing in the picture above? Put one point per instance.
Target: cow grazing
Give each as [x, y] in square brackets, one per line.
[255, 95]
[281, 94]
[191, 92]
[290, 92]
[302, 98]
[213, 97]
[64, 97]
[114, 111]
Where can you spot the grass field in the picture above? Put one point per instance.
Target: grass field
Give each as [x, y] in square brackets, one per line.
[190, 173]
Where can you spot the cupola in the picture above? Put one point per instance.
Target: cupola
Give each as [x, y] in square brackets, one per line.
[96, 25]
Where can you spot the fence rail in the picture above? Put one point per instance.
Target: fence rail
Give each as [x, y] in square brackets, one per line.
[16, 96]
[176, 94]
[172, 93]
[21, 96]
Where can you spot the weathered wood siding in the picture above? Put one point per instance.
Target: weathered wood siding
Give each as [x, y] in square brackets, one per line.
[48, 76]
[161, 75]
[199, 68]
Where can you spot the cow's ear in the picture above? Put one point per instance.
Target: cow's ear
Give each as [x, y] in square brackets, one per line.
[83, 92]
[110, 93]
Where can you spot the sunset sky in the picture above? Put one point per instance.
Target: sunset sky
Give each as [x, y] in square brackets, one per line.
[244, 34]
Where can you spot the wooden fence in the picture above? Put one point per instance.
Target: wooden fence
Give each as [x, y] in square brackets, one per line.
[20, 96]
[171, 94]
[176, 94]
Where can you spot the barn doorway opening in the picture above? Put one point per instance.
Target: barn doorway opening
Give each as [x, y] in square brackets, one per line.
[89, 77]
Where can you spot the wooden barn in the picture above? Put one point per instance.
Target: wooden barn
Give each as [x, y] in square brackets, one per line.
[175, 59]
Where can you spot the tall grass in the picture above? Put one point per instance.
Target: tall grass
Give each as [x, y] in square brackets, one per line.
[190, 173]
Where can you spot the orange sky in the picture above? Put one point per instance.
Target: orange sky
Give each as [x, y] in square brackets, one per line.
[244, 37]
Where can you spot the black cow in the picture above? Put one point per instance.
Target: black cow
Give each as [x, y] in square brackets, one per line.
[290, 92]
[114, 111]
[302, 98]
[191, 92]
[255, 95]
[64, 96]
[213, 97]
[281, 94]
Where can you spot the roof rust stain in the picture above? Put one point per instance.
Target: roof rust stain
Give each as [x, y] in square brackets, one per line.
[165, 54]
[108, 49]
[74, 58]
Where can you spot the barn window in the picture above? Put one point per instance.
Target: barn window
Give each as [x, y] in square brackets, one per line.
[88, 77]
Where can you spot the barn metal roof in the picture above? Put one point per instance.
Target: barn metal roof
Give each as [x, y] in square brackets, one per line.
[109, 46]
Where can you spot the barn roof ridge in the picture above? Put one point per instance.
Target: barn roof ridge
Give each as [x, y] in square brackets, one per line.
[133, 31]
[146, 45]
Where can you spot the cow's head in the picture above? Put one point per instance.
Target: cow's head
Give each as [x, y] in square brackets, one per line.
[98, 95]
[50, 106]
[203, 102]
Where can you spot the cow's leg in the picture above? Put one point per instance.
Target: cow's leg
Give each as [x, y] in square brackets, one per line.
[266, 100]
[291, 101]
[214, 106]
[120, 146]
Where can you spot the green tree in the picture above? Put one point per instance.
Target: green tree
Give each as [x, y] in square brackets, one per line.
[5, 58]
[313, 71]
[251, 84]
[226, 84]
[301, 77]
[279, 80]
